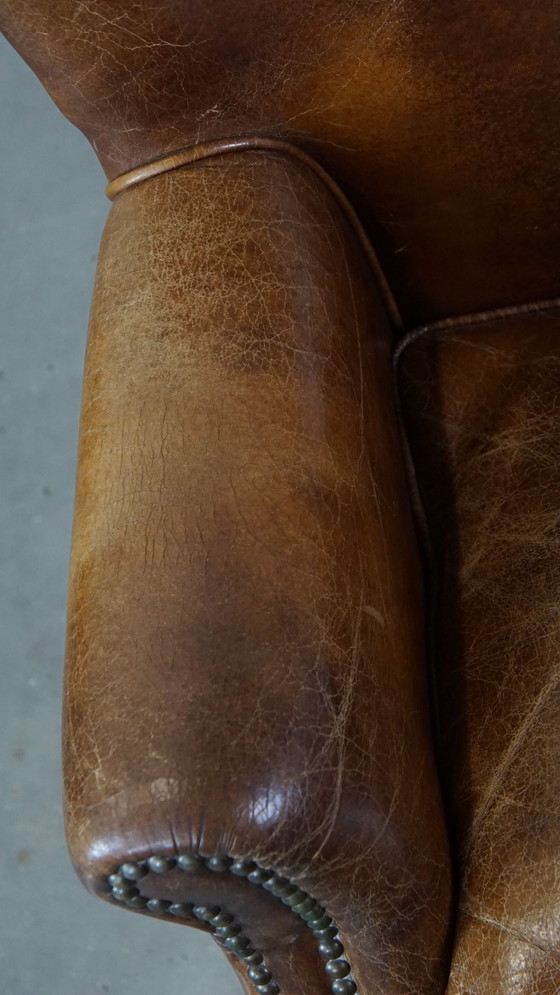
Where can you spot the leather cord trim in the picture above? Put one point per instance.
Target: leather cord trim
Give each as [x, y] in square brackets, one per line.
[207, 150]
[124, 887]
[255, 143]
[476, 318]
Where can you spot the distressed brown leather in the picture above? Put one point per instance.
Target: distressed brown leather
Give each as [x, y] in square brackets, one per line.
[222, 291]
[439, 119]
[245, 655]
[482, 417]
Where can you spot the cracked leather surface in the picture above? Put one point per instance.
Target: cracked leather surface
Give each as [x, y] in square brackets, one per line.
[438, 119]
[230, 415]
[482, 417]
[246, 651]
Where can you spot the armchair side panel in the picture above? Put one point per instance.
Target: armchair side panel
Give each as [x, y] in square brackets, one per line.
[245, 672]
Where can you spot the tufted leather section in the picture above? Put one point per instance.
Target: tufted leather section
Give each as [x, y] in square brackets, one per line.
[245, 649]
[481, 408]
[439, 119]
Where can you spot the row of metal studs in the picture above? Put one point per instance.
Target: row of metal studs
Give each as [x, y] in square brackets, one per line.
[311, 912]
[224, 926]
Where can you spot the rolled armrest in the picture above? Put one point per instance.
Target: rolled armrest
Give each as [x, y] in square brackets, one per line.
[247, 745]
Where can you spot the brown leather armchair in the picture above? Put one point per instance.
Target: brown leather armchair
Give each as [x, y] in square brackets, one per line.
[313, 611]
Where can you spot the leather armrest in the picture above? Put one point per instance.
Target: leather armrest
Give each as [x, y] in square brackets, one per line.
[245, 653]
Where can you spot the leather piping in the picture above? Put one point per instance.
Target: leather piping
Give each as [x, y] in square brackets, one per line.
[476, 318]
[207, 150]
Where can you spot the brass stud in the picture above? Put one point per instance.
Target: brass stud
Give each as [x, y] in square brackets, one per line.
[237, 943]
[330, 949]
[308, 905]
[242, 868]
[337, 968]
[272, 883]
[314, 914]
[121, 894]
[286, 889]
[295, 898]
[180, 909]
[116, 880]
[160, 865]
[217, 864]
[259, 975]
[118, 895]
[136, 902]
[189, 862]
[252, 958]
[132, 871]
[222, 919]
[206, 912]
[259, 875]
[158, 906]
[344, 986]
[225, 932]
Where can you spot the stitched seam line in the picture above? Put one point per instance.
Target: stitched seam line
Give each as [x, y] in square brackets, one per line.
[474, 320]
[124, 888]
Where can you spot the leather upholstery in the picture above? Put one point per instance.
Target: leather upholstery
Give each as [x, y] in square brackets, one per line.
[439, 119]
[245, 669]
[482, 417]
[246, 607]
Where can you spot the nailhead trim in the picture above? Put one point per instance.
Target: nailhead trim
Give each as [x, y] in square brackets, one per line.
[123, 885]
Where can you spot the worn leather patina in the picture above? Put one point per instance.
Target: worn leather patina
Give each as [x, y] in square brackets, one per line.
[438, 119]
[245, 637]
[250, 747]
[481, 405]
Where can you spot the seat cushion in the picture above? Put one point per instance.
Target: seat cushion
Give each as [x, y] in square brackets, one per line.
[481, 405]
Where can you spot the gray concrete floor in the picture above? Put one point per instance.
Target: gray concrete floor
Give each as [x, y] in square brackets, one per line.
[54, 938]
